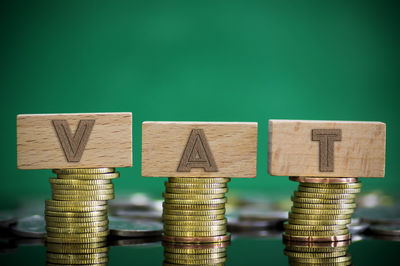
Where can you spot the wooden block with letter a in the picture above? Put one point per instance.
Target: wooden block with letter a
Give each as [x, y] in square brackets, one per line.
[326, 148]
[59, 141]
[199, 149]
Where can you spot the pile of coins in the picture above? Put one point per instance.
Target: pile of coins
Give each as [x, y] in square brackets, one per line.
[195, 254]
[76, 217]
[322, 209]
[194, 210]
[323, 253]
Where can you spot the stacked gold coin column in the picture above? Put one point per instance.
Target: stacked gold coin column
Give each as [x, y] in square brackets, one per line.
[322, 209]
[76, 216]
[325, 157]
[195, 254]
[197, 157]
[194, 209]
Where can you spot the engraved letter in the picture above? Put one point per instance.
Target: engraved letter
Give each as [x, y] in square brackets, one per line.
[197, 154]
[73, 146]
[326, 138]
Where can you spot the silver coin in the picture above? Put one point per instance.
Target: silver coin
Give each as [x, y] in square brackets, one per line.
[30, 227]
[122, 227]
[386, 230]
[379, 215]
[7, 219]
[357, 228]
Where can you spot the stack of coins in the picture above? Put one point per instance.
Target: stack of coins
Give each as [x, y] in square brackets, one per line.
[322, 209]
[195, 254]
[194, 210]
[323, 253]
[76, 217]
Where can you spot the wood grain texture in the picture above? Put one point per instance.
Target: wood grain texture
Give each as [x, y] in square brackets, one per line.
[233, 146]
[360, 152]
[109, 143]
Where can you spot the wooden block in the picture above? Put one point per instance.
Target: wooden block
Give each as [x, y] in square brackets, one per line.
[52, 141]
[326, 148]
[199, 149]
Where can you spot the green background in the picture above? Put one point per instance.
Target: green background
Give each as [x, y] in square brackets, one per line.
[198, 61]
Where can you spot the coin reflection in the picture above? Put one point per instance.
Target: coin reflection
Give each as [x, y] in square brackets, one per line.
[77, 254]
[195, 254]
[322, 253]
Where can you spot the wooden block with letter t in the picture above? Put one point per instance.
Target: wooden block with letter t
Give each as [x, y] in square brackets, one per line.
[326, 148]
[199, 149]
[59, 141]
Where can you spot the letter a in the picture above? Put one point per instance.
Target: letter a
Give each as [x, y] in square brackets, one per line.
[197, 154]
[73, 146]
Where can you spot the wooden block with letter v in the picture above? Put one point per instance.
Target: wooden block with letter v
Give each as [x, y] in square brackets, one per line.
[61, 141]
[199, 149]
[326, 148]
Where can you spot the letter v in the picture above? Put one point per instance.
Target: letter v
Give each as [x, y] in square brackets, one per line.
[73, 146]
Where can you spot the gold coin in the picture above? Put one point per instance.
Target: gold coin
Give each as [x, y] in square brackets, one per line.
[75, 214]
[323, 212]
[193, 196]
[75, 225]
[195, 262]
[197, 239]
[324, 195]
[79, 250]
[62, 256]
[196, 180]
[78, 182]
[95, 261]
[195, 213]
[83, 192]
[289, 226]
[316, 238]
[324, 206]
[196, 223]
[193, 206]
[319, 222]
[182, 228]
[195, 202]
[319, 216]
[76, 230]
[194, 233]
[332, 186]
[314, 254]
[58, 203]
[193, 218]
[318, 179]
[84, 171]
[73, 247]
[316, 233]
[196, 191]
[308, 249]
[194, 251]
[89, 176]
[322, 201]
[78, 235]
[323, 260]
[302, 188]
[77, 209]
[76, 240]
[195, 186]
[81, 187]
[78, 220]
[174, 256]
[83, 198]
